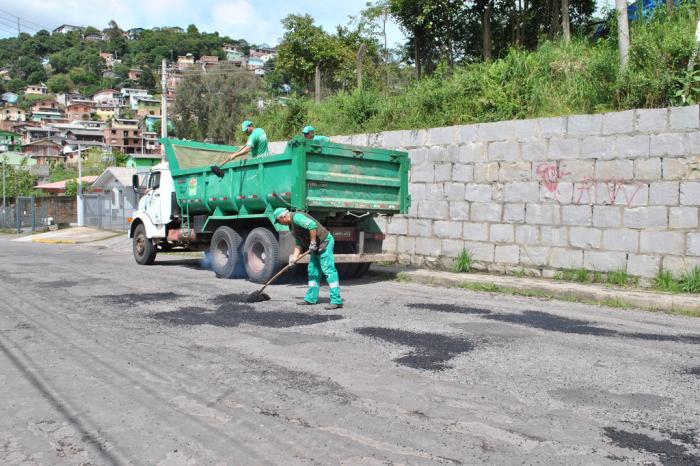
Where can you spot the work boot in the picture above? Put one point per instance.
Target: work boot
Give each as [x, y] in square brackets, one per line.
[305, 303]
[330, 307]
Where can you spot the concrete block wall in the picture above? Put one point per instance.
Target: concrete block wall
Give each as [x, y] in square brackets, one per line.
[604, 192]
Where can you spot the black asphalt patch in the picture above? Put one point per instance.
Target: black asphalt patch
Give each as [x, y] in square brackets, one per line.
[451, 308]
[138, 298]
[233, 315]
[430, 350]
[554, 323]
[669, 453]
[692, 370]
[229, 298]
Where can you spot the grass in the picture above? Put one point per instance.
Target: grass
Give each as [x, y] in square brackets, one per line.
[618, 277]
[689, 282]
[463, 263]
[665, 282]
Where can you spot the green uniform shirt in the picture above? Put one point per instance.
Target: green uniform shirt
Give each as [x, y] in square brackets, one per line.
[304, 222]
[257, 141]
[322, 138]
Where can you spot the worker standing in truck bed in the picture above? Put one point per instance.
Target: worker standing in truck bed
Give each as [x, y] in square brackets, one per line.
[310, 235]
[256, 144]
[309, 132]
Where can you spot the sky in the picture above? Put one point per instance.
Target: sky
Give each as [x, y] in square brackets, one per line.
[257, 21]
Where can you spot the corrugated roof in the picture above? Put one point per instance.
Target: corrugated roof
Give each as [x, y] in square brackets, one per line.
[62, 184]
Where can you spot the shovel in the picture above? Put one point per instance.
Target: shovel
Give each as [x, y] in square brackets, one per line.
[216, 169]
[258, 296]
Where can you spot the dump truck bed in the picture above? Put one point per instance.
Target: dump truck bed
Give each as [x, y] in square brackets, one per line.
[308, 175]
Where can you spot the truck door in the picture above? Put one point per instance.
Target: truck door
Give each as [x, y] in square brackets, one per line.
[152, 203]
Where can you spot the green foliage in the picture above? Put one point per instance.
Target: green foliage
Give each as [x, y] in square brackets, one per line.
[18, 181]
[60, 173]
[72, 187]
[59, 83]
[463, 263]
[618, 278]
[665, 282]
[690, 281]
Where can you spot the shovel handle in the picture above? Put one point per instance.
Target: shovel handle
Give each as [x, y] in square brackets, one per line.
[287, 267]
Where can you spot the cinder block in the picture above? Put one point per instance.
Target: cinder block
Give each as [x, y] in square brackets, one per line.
[486, 172]
[428, 247]
[475, 231]
[584, 125]
[534, 255]
[472, 152]
[420, 227]
[422, 172]
[563, 192]
[683, 217]
[595, 147]
[662, 242]
[626, 146]
[507, 254]
[447, 229]
[543, 214]
[480, 251]
[406, 244]
[443, 172]
[664, 193]
[562, 258]
[643, 266]
[577, 215]
[390, 244]
[647, 169]
[645, 217]
[418, 155]
[442, 136]
[655, 119]
[554, 236]
[533, 149]
[437, 154]
[678, 265]
[477, 192]
[435, 192]
[467, 133]
[375, 140]
[562, 148]
[503, 150]
[521, 192]
[514, 171]
[607, 216]
[621, 239]
[404, 139]
[454, 191]
[604, 261]
[614, 170]
[524, 129]
[693, 146]
[497, 192]
[549, 127]
[417, 191]
[502, 233]
[618, 122]
[433, 209]
[462, 173]
[459, 210]
[527, 234]
[397, 226]
[574, 170]
[496, 131]
[486, 212]
[690, 193]
[674, 169]
[668, 144]
[585, 237]
[451, 247]
[694, 244]
[621, 193]
[514, 213]
[684, 117]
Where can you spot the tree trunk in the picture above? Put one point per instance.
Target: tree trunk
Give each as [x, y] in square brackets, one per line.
[565, 26]
[360, 57]
[623, 31]
[386, 53]
[317, 81]
[669, 5]
[416, 51]
[486, 28]
[554, 11]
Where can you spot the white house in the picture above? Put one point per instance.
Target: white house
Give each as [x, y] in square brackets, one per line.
[66, 28]
[117, 182]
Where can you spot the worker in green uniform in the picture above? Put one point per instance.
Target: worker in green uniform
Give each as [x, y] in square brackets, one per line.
[309, 132]
[256, 144]
[310, 235]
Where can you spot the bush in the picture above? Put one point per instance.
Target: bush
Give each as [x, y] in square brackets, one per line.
[463, 263]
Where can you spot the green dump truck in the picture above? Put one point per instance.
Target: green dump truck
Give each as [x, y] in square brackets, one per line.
[184, 205]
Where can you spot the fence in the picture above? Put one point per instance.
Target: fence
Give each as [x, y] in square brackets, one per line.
[110, 210]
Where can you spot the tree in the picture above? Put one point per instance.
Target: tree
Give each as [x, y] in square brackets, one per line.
[19, 180]
[147, 80]
[59, 83]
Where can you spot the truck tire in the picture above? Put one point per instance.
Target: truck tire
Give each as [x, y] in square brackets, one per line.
[144, 249]
[362, 269]
[261, 255]
[225, 252]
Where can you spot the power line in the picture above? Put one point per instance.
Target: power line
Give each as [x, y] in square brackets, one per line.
[14, 23]
[25, 20]
[5, 29]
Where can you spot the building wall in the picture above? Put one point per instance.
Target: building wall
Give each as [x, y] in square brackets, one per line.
[603, 192]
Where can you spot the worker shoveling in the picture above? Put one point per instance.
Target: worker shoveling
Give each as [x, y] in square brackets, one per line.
[259, 296]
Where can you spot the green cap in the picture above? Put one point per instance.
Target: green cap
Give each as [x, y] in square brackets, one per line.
[280, 211]
[308, 129]
[245, 125]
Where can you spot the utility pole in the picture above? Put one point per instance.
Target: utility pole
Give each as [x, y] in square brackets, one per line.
[317, 82]
[4, 161]
[565, 23]
[623, 31]
[163, 104]
[18, 31]
[81, 220]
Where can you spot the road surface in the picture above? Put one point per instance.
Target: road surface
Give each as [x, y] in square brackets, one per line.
[103, 361]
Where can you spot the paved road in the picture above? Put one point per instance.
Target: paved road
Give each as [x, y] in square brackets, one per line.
[105, 362]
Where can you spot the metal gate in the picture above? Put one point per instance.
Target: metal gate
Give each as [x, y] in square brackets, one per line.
[109, 211]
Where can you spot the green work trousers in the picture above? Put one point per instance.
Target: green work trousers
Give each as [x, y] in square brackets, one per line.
[323, 263]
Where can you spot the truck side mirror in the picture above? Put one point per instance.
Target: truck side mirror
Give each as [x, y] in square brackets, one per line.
[135, 182]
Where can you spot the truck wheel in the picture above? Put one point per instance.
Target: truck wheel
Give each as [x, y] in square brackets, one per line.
[225, 252]
[144, 249]
[261, 255]
[362, 269]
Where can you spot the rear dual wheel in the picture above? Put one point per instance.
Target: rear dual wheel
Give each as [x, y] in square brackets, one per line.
[225, 252]
[261, 255]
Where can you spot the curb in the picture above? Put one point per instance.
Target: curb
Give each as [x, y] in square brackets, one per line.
[53, 241]
[641, 299]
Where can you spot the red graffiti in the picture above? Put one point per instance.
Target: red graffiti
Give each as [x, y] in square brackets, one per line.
[616, 191]
[550, 176]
